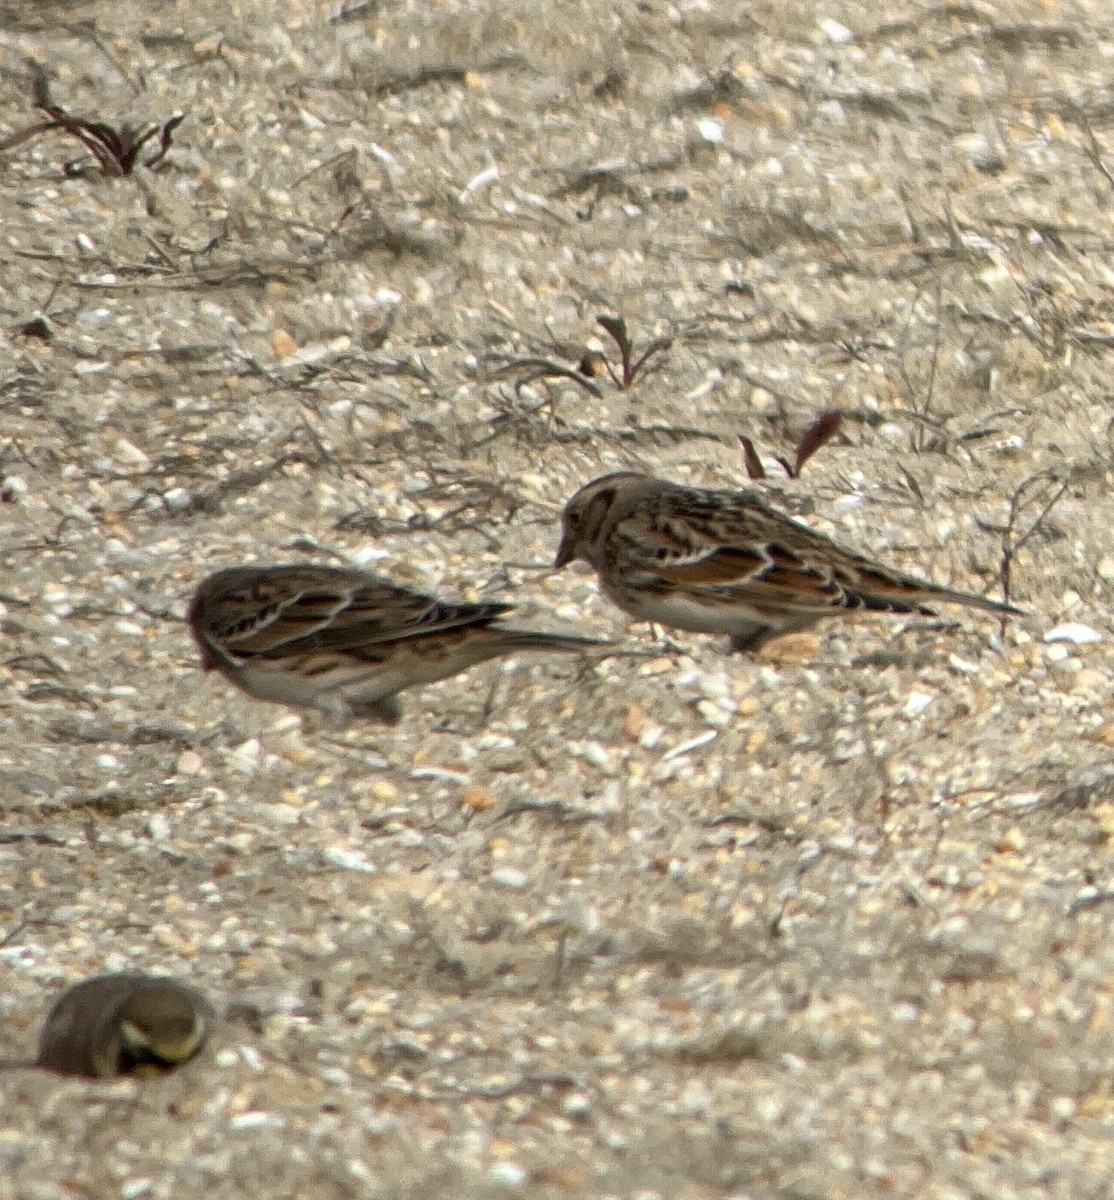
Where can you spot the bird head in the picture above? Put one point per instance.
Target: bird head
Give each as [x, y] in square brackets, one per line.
[586, 516]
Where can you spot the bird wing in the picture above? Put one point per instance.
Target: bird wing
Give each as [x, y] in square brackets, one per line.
[750, 553]
[770, 577]
[279, 613]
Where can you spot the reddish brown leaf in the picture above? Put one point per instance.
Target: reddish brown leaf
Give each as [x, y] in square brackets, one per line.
[116, 150]
[751, 461]
[164, 139]
[818, 434]
[617, 328]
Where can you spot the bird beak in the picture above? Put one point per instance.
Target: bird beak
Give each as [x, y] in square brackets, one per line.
[566, 552]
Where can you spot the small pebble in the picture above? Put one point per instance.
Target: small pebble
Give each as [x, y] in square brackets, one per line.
[158, 826]
[576, 1104]
[634, 723]
[509, 1174]
[701, 739]
[347, 860]
[712, 713]
[651, 736]
[510, 877]
[251, 1057]
[248, 753]
[1075, 632]
[485, 177]
[257, 1120]
[127, 452]
[189, 763]
[1062, 1108]
[594, 753]
[439, 773]
[835, 31]
[478, 799]
[1011, 842]
[177, 498]
[280, 814]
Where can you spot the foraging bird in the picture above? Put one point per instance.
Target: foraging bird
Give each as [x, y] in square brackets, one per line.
[712, 561]
[345, 641]
[124, 1024]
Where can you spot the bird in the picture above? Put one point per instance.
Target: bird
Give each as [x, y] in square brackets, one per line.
[343, 640]
[717, 561]
[124, 1023]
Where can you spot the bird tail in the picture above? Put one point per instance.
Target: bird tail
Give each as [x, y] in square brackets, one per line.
[897, 600]
[529, 639]
[984, 602]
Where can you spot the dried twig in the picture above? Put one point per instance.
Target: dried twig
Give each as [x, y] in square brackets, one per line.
[1094, 151]
[544, 368]
[1012, 541]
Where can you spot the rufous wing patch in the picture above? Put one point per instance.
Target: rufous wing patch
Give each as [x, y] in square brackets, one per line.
[726, 566]
[794, 575]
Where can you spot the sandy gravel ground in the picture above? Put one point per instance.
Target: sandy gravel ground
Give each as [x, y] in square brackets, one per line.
[833, 923]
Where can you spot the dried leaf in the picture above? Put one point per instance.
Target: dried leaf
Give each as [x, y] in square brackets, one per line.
[751, 461]
[818, 434]
[617, 328]
[164, 139]
[115, 149]
[655, 347]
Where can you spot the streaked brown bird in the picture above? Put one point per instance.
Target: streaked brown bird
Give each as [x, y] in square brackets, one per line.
[346, 641]
[710, 561]
[124, 1024]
